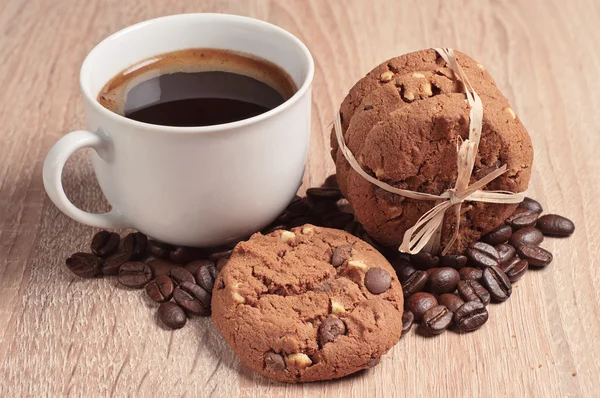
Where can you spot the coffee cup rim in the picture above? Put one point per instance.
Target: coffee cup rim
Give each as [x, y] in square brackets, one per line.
[93, 101]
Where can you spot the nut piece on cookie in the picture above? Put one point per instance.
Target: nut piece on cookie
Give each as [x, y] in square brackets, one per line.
[387, 76]
[287, 236]
[357, 264]
[298, 361]
[238, 298]
[308, 230]
[337, 307]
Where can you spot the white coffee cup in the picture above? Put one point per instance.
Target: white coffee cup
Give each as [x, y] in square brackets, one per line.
[193, 186]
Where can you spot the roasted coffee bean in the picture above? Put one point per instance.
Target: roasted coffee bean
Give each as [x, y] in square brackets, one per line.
[298, 208]
[497, 283]
[455, 261]
[470, 290]
[527, 236]
[505, 252]
[160, 266]
[84, 265]
[272, 228]
[136, 243]
[483, 255]
[159, 250]
[105, 243]
[354, 228]
[303, 220]
[515, 269]
[179, 275]
[111, 265]
[320, 208]
[171, 315]
[535, 255]
[340, 255]
[330, 193]
[330, 329]
[470, 273]
[205, 277]
[437, 319]
[331, 181]
[222, 262]
[337, 219]
[403, 271]
[160, 289]
[531, 204]
[424, 260]
[451, 301]
[442, 280]
[220, 254]
[192, 298]
[471, 316]
[134, 274]
[523, 219]
[274, 362]
[194, 265]
[498, 235]
[555, 225]
[377, 280]
[184, 255]
[415, 283]
[420, 302]
[407, 321]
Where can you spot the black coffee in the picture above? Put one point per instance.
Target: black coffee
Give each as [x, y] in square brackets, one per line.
[197, 87]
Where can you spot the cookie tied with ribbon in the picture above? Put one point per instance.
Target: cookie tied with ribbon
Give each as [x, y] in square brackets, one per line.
[416, 105]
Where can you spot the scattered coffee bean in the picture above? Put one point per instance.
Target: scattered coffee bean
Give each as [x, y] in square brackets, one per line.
[497, 283]
[298, 222]
[407, 321]
[453, 261]
[179, 275]
[111, 265]
[527, 236]
[437, 319]
[184, 255]
[192, 298]
[522, 219]
[274, 362]
[160, 289]
[498, 235]
[105, 243]
[451, 301]
[337, 220]
[403, 271]
[471, 316]
[84, 265]
[377, 280]
[222, 262]
[424, 260]
[331, 193]
[420, 302]
[470, 273]
[136, 243]
[555, 225]
[535, 255]
[470, 290]
[205, 277]
[505, 252]
[354, 228]
[442, 280]
[340, 255]
[134, 274]
[515, 269]
[159, 250]
[531, 204]
[220, 254]
[331, 181]
[483, 255]
[160, 266]
[415, 283]
[330, 329]
[195, 265]
[321, 208]
[171, 315]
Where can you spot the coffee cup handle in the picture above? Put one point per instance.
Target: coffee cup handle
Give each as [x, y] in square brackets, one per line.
[53, 167]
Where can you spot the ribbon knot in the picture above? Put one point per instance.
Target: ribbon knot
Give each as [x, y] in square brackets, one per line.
[426, 233]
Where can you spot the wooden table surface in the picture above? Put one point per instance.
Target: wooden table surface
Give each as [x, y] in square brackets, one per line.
[60, 335]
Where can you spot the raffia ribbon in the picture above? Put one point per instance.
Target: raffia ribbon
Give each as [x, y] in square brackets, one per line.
[426, 233]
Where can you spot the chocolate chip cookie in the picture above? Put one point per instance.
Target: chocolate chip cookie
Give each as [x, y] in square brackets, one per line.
[308, 304]
[403, 122]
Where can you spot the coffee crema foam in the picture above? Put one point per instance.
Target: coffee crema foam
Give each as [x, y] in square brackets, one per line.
[113, 95]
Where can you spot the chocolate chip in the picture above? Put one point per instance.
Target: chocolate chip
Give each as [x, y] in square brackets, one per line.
[274, 361]
[535, 256]
[105, 243]
[368, 107]
[522, 219]
[505, 252]
[330, 329]
[531, 204]
[526, 236]
[340, 255]
[555, 225]
[498, 235]
[483, 255]
[84, 265]
[377, 280]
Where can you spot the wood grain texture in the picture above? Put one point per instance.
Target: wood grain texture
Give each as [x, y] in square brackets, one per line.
[62, 336]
